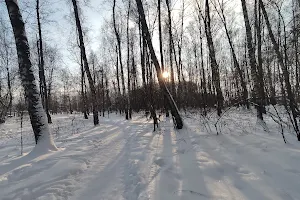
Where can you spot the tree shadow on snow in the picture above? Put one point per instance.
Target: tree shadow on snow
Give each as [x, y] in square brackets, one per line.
[207, 172]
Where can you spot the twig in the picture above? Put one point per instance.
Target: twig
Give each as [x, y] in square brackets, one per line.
[21, 133]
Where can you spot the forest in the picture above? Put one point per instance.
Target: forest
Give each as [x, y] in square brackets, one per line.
[180, 80]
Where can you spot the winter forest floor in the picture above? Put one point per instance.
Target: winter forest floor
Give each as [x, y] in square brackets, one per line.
[122, 159]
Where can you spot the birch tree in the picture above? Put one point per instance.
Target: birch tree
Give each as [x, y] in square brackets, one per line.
[36, 112]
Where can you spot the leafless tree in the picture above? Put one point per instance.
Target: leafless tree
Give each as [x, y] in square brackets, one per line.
[85, 63]
[35, 108]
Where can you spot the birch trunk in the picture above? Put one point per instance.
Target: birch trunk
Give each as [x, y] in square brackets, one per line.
[36, 112]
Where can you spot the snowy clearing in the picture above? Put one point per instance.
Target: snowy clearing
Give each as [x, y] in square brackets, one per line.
[122, 159]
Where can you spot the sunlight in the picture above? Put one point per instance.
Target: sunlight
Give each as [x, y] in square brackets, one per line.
[165, 74]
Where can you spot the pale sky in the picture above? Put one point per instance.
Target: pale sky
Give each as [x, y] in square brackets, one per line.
[60, 22]
[59, 32]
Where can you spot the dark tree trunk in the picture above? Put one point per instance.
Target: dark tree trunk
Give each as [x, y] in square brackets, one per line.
[259, 57]
[86, 65]
[103, 92]
[128, 110]
[83, 97]
[146, 34]
[120, 59]
[253, 65]
[161, 50]
[160, 36]
[50, 87]
[9, 106]
[180, 44]
[108, 102]
[213, 61]
[41, 66]
[133, 80]
[203, 80]
[173, 90]
[36, 112]
[151, 95]
[118, 79]
[142, 52]
[295, 40]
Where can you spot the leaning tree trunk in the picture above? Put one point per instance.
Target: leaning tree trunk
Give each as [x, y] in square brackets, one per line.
[292, 102]
[41, 66]
[86, 65]
[146, 35]
[213, 61]
[35, 109]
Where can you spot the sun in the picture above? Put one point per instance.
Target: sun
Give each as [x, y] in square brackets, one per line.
[165, 74]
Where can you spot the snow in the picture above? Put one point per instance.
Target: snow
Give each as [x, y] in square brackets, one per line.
[45, 141]
[122, 159]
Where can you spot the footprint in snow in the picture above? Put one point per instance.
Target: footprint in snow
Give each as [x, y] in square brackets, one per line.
[160, 162]
[243, 171]
[202, 160]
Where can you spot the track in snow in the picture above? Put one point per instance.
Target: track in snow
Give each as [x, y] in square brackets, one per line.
[125, 160]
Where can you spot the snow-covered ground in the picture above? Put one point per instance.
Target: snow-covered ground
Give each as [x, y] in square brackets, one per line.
[122, 159]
